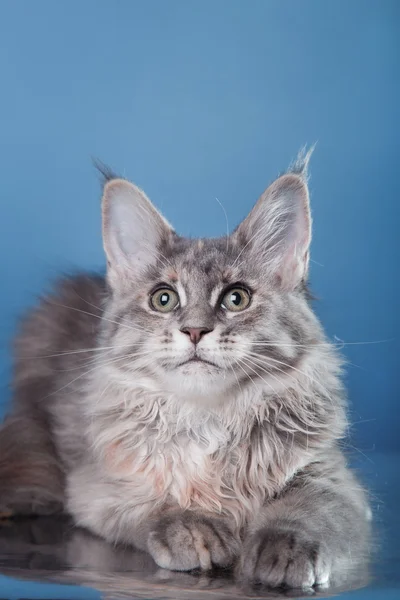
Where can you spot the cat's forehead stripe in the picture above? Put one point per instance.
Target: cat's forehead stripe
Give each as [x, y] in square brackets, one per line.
[215, 295]
[182, 294]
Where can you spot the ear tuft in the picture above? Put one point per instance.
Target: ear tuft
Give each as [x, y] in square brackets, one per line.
[106, 173]
[300, 165]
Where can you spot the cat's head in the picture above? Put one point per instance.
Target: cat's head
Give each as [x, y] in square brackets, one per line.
[200, 317]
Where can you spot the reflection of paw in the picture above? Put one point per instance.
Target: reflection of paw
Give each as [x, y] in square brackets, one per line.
[280, 557]
[188, 541]
[26, 504]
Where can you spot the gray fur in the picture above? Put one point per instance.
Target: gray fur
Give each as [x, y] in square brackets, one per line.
[235, 462]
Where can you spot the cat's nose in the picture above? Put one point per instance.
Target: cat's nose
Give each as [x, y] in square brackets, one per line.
[195, 333]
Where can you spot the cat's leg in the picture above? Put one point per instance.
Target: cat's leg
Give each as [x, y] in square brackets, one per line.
[176, 539]
[315, 533]
[31, 478]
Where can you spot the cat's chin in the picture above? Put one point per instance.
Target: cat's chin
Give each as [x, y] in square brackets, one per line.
[197, 379]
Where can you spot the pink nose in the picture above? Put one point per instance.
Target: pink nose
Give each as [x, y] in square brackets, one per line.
[195, 333]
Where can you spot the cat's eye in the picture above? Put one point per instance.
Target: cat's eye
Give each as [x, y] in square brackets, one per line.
[164, 300]
[236, 299]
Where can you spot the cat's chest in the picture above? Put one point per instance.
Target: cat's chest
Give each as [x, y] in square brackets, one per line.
[196, 460]
[181, 469]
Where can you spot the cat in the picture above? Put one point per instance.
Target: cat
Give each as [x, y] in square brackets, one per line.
[188, 403]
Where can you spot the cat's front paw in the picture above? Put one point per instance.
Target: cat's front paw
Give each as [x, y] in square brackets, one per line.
[284, 557]
[187, 541]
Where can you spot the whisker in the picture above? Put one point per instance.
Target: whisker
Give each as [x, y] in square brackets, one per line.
[67, 353]
[106, 360]
[251, 361]
[122, 320]
[101, 317]
[103, 364]
[227, 223]
[247, 375]
[306, 422]
[101, 309]
[318, 384]
[316, 344]
[360, 452]
[233, 371]
[280, 383]
[288, 390]
[249, 367]
[71, 382]
[275, 360]
[237, 378]
[291, 367]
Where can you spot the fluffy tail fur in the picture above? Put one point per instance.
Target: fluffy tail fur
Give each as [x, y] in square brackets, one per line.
[31, 479]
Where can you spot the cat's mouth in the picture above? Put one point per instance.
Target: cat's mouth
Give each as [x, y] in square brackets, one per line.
[197, 360]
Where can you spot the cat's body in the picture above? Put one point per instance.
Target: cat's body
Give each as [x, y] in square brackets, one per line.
[206, 433]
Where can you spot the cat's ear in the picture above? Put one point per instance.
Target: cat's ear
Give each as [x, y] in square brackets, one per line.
[277, 231]
[133, 230]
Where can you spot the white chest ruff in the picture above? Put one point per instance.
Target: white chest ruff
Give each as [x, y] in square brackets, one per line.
[182, 472]
[195, 460]
[190, 476]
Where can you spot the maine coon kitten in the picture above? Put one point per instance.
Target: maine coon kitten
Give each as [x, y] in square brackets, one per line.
[189, 403]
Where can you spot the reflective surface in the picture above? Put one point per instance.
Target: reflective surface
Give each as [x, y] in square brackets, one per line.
[51, 550]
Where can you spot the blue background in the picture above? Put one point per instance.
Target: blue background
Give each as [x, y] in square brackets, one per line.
[202, 100]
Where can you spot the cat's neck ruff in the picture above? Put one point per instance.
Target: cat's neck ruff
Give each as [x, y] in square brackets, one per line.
[131, 409]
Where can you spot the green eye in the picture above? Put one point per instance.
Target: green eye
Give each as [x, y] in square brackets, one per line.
[236, 299]
[164, 300]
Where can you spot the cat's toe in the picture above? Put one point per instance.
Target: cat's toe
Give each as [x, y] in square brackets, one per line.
[187, 541]
[287, 558]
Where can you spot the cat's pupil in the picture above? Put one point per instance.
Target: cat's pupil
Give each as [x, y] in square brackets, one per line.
[164, 299]
[235, 298]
